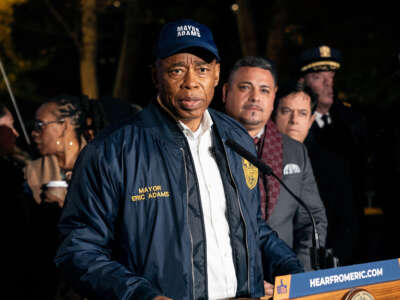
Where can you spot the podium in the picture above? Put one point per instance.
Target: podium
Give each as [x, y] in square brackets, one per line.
[370, 281]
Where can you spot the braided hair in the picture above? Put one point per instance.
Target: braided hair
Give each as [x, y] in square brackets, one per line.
[87, 115]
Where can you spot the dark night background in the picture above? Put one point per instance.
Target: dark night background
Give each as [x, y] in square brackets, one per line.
[366, 34]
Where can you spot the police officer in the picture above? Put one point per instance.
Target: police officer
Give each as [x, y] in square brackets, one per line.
[337, 148]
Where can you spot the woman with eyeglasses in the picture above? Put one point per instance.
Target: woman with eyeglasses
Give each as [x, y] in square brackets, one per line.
[61, 129]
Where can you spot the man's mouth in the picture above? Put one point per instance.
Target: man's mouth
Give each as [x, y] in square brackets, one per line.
[190, 102]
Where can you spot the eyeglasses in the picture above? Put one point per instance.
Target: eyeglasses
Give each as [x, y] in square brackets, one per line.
[39, 125]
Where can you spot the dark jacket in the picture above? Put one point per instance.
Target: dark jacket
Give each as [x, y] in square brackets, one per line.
[338, 154]
[132, 225]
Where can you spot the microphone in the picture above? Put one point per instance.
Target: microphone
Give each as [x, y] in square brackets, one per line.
[320, 257]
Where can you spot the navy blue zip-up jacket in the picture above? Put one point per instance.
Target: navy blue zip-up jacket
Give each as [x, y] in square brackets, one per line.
[132, 225]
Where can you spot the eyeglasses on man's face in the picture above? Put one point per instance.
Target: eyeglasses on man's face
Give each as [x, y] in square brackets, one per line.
[39, 125]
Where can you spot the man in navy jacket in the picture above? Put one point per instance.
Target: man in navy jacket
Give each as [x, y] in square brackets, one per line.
[160, 208]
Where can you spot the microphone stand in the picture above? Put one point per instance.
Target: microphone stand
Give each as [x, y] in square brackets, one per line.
[3, 72]
[321, 258]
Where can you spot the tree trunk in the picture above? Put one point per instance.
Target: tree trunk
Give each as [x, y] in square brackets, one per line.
[128, 60]
[246, 29]
[275, 47]
[88, 51]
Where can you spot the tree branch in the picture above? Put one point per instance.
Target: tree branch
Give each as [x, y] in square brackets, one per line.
[70, 33]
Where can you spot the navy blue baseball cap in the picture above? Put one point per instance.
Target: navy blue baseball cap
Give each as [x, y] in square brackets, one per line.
[182, 34]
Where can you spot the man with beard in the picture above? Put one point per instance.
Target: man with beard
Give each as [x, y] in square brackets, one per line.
[248, 96]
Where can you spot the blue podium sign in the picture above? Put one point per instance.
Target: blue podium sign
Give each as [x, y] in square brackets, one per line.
[327, 280]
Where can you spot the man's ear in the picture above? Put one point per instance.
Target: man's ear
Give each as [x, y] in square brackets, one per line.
[301, 80]
[217, 73]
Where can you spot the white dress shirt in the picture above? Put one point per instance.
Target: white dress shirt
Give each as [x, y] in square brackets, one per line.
[320, 122]
[222, 282]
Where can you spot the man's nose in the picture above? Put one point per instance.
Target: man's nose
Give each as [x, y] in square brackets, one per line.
[293, 118]
[255, 95]
[328, 82]
[190, 80]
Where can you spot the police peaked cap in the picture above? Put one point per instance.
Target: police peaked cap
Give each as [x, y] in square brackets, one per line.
[321, 58]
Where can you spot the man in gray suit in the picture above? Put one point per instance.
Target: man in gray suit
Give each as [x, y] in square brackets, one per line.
[248, 96]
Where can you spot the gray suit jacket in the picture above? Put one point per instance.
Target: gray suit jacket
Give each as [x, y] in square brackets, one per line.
[288, 218]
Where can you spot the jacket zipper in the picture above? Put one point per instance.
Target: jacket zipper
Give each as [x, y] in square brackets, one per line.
[244, 221]
[187, 218]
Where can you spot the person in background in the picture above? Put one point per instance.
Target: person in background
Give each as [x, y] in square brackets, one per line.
[159, 208]
[293, 110]
[20, 156]
[7, 119]
[62, 127]
[60, 132]
[337, 145]
[248, 96]
[16, 212]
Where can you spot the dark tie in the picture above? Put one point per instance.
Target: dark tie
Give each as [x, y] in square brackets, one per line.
[256, 141]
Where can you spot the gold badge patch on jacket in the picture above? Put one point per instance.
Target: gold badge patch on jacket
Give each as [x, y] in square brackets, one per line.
[250, 173]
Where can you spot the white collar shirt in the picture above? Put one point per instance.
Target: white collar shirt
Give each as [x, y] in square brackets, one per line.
[222, 282]
[320, 122]
[260, 133]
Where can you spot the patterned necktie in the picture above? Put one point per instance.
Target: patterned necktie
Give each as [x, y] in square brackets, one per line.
[256, 141]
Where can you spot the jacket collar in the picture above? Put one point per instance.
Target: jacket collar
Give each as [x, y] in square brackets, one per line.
[166, 127]
[162, 124]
